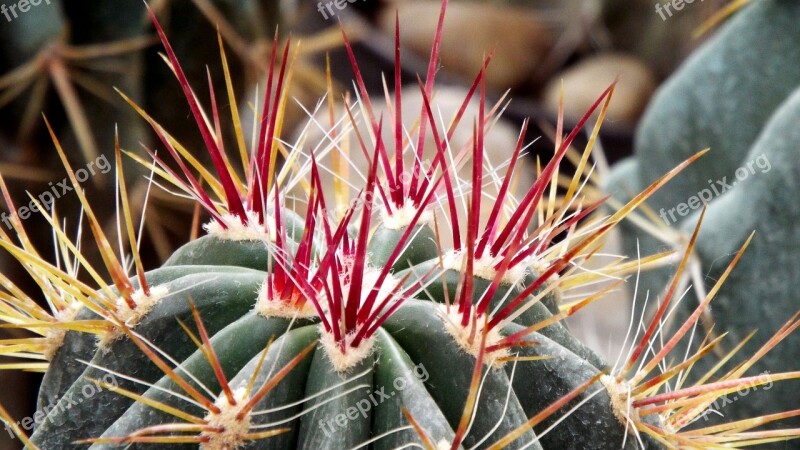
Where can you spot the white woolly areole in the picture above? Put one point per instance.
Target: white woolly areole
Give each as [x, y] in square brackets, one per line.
[443, 445]
[483, 267]
[344, 361]
[233, 430]
[54, 337]
[452, 324]
[279, 307]
[620, 399]
[402, 217]
[540, 266]
[237, 231]
[132, 316]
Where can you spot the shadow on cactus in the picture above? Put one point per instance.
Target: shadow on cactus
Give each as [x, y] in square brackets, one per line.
[438, 328]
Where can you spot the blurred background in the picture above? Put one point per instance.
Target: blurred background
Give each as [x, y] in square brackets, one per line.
[66, 58]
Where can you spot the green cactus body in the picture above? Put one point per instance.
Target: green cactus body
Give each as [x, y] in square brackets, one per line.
[79, 347]
[534, 311]
[253, 329]
[422, 247]
[372, 367]
[221, 299]
[759, 296]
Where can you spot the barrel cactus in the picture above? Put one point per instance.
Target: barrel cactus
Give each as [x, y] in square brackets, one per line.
[738, 95]
[432, 328]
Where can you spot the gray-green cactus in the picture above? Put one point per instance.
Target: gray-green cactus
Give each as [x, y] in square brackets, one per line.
[734, 96]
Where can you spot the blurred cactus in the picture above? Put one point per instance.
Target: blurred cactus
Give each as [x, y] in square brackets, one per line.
[734, 96]
[64, 59]
[664, 36]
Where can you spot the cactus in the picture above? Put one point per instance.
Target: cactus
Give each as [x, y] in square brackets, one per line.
[66, 58]
[73, 44]
[280, 330]
[738, 96]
